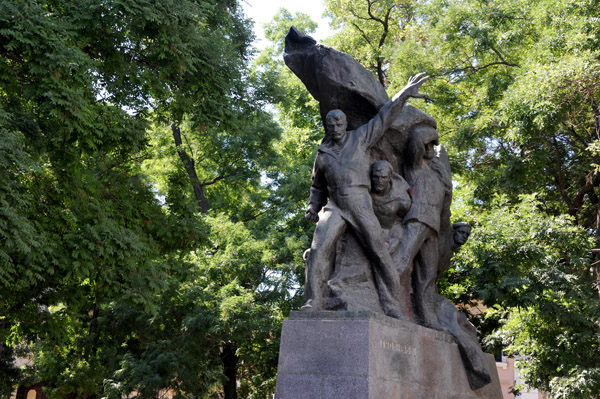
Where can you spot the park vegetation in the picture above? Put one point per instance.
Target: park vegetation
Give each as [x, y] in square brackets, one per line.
[155, 170]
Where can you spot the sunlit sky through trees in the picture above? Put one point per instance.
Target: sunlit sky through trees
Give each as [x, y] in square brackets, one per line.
[262, 11]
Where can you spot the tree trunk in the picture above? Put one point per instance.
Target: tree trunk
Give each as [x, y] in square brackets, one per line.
[596, 113]
[190, 168]
[229, 361]
[92, 348]
[597, 253]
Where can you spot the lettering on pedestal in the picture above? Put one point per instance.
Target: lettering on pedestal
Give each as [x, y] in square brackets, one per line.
[397, 347]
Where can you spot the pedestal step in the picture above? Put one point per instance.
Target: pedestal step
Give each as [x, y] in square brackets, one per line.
[360, 355]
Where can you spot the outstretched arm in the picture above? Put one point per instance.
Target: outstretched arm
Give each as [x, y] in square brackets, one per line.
[391, 110]
[372, 131]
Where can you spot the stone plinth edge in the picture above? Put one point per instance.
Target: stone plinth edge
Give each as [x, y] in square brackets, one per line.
[367, 355]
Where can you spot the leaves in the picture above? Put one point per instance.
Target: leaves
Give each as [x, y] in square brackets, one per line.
[515, 94]
[83, 230]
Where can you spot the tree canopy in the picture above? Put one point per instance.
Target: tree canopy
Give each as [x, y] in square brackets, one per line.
[123, 124]
[155, 176]
[515, 92]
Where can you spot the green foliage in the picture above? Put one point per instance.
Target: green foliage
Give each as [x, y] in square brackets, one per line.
[298, 115]
[94, 268]
[367, 29]
[515, 93]
[533, 271]
[513, 98]
[229, 163]
[230, 295]
[295, 108]
[133, 262]
[279, 26]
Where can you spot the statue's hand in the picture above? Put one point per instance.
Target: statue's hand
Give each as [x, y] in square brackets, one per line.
[311, 215]
[412, 87]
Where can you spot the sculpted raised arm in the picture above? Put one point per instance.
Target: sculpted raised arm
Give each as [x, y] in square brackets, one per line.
[391, 110]
[372, 131]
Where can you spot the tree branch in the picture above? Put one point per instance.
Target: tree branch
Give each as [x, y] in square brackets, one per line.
[502, 58]
[579, 138]
[596, 113]
[190, 168]
[356, 15]
[479, 68]
[363, 34]
[559, 176]
[591, 180]
[380, 72]
[257, 215]
[385, 28]
[213, 181]
[373, 17]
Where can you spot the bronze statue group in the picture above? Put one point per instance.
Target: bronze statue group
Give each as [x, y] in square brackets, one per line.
[381, 193]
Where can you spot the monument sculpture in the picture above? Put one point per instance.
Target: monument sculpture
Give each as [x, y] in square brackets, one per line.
[380, 197]
[340, 192]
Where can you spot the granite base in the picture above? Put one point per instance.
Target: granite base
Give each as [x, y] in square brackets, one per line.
[366, 355]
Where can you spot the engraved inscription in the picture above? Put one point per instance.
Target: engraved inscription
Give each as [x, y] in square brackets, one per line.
[396, 347]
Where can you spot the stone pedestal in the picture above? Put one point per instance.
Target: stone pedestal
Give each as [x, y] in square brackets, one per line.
[366, 355]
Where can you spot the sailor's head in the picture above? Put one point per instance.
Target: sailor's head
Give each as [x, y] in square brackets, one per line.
[335, 124]
[423, 139]
[460, 233]
[381, 177]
